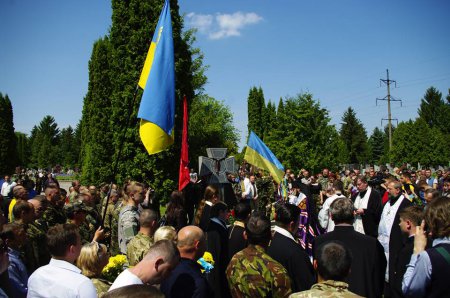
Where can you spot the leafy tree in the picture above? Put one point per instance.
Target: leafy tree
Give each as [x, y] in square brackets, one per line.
[255, 111]
[434, 110]
[416, 142]
[210, 126]
[354, 136]
[8, 155]
[303, 137]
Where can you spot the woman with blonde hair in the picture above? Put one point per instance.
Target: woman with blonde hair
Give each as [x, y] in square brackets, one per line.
[93, 258]
[210, 197]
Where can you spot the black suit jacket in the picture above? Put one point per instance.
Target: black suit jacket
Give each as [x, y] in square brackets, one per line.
[236, 241]
[372, 215]
[397, 240]
[403, 258]
[294, 259]
[366, 276]
[217, 245]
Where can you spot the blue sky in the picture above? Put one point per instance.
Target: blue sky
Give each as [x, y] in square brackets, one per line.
[336, 50]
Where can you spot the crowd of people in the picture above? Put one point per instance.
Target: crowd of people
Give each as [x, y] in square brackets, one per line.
[371, 234]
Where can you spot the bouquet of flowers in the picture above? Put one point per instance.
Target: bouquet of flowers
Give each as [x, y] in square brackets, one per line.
[114, 267]
[207, 262]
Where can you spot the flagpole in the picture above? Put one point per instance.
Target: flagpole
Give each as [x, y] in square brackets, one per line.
[116, 161]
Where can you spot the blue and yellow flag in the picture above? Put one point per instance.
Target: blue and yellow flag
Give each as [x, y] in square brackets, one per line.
[258, 154]
[157, 109]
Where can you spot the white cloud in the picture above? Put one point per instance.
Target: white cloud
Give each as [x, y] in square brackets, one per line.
[222, 25]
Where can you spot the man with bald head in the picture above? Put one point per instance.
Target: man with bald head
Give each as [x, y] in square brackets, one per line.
[187, 279]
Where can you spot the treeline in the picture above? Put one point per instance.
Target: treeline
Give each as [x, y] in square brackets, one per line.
[299, 133]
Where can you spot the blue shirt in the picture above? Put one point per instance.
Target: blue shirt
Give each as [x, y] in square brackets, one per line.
[418, 272]
[18, 276]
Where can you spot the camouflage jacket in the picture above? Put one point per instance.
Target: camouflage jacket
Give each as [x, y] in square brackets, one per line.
[101, 285]
[113, 223]
[253, 273]
[329, 288]
[36, 246]
[54, 216]
[138, 246]
[128, 226]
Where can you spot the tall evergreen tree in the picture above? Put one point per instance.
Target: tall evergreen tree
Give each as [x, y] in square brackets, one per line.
[133, 25]
[67, 149]
[8, 153]
[270, 118]
[22, 149]
[44, 142]
[377, 147]
[434, 110]
[96, 126]
[255, 111]
[354, 137]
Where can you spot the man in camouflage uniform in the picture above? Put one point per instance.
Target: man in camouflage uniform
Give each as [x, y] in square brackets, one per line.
[93, 218]
[37, 240]
[76, 214]
[139, 245]
[253, 273]
[332, 265]
[129, 215]
[54, 214]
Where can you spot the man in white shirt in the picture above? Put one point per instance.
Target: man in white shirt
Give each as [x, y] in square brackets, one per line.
[324, 213]
[7, 187]
[162, 258]
[250, 195]
[60, 278]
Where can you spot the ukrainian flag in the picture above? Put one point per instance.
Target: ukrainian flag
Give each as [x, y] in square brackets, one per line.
[258, 154]
[157, 109]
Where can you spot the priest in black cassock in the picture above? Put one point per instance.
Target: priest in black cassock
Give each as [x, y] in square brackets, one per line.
[366, 276]
[368, 208]
[285, 249]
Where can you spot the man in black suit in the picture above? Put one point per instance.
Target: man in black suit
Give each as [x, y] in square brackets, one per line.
[284, 248]
[389, 233]
[366, 276]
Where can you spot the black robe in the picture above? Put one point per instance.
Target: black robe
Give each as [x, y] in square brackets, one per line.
[294, 259]
[217, 245]
[366, 276]
[372, 215]
[397, 241]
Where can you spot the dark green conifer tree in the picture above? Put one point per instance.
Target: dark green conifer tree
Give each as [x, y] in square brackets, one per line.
[8, 153]
[255, 111]
[354, 136]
